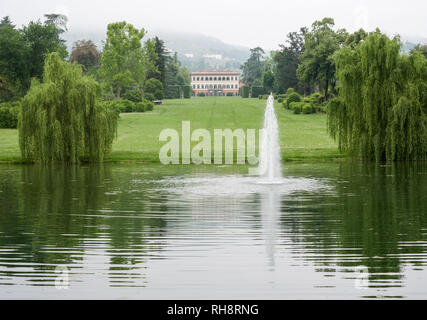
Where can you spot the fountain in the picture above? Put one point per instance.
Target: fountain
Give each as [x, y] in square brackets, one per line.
[270, 161]
[223, 199]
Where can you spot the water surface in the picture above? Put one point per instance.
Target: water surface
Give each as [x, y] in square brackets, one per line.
[325, 231]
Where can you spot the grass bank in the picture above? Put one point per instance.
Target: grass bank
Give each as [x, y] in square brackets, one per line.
[302, 137]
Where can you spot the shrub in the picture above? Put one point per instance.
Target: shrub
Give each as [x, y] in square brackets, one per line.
[307, 108]
[127, 105]
[133, 95]
[317, 98]
[289, 91]
[9, 115]
[113, 105]
[293, 97]
[149, 105]
[280, 100]
[154, 87]
[260, 97]
[296, 107]
[187, 92]
[230, 94]
[256, 91]
[150, 97]
[139, 107]
[201, 94]
[296, 110]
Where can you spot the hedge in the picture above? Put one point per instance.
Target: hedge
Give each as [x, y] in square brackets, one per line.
[173, 92]
[256, 91]
[245, 92]
[187, 92]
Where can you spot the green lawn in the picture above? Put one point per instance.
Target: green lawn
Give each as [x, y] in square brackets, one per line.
[303, 137]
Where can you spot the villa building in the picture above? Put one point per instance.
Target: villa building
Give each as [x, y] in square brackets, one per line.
[215, 82]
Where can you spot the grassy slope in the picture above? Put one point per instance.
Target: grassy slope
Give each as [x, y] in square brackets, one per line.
[303, 137]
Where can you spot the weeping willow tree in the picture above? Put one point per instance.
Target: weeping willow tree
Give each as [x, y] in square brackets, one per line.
[61, 119]
[381, 109]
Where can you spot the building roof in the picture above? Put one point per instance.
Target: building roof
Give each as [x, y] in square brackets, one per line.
[215, 72]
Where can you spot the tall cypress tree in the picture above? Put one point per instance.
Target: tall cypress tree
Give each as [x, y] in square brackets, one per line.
[160, 50]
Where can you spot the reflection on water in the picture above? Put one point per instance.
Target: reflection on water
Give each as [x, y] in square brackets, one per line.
[346, 230]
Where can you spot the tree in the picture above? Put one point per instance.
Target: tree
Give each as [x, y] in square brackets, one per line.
[287, 61]
[61, 118]
[380, 111]
[355, 38]
[42, 39]
[85, 53]
[268, 81]
[176, 75]
[420, 48]
[155, 87]
[317, 62]
[14, 71]
[160, 61]
[6, 91]
[124, 60]
[59, 21]
[253, 68]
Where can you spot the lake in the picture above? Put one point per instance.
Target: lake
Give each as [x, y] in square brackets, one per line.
[346, 230]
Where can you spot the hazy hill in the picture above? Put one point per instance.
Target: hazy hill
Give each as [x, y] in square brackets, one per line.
[196, 51]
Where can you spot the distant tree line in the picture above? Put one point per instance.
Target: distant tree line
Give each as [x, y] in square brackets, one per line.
[124, 63]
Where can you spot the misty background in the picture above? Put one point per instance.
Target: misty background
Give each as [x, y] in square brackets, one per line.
[218, 34]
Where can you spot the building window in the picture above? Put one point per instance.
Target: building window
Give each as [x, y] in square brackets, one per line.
[198, 86]
[198, 79]
[210, 79]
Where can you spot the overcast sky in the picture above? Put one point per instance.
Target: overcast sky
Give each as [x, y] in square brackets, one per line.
[249, 23]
